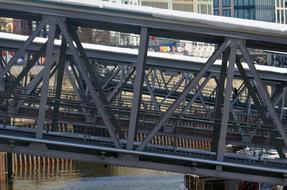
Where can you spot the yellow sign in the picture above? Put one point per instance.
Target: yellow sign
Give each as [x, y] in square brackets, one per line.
[6, 24]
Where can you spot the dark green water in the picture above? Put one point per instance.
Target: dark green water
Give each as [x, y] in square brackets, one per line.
[68, 175]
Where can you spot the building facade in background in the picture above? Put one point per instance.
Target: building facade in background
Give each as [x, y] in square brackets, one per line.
[263, 10]
[197, 6]
[279, 58]
[281, 11]
[223, 7]
[182, 46]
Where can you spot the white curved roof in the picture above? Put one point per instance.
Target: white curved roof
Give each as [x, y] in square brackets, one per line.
[180, 16]
[129, 51]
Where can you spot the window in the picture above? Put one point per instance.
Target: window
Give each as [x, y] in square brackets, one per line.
[252, 2]
[236, 13]
[240, 2]
[240, 13]
[252, 14]
[246, 14]
[215, 3]
[226, 3]
[278, 16]
[282, 17]
[226, 12]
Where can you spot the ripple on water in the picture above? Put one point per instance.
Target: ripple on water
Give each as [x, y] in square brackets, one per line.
[118, 183]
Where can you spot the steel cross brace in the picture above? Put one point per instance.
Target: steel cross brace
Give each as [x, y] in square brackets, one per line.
[219, 100]
[263, 92]
[241, 90]
[201, 99]
[2, 62]
[254, 95]
[151, 91]
[252, 92]
[23, 47]
[197, 93]
[27, 68]
[283, 103]
[36, 81]
[174, 89]
[119, 86]
[185, 92]
[59, 84]
[72, 66]
[76, 90]
[94, 76]
[111, 125]
[278, 93]
[114, 74]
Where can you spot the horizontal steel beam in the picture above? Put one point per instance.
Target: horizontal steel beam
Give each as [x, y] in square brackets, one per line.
[144, 153]
[130, 19]
[116, 55]
[125, 160]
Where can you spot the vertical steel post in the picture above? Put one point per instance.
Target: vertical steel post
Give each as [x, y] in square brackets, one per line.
[46, 77]
[227, 103]
[59, 83]
[219, 100]
[283, 104]
[140, 72]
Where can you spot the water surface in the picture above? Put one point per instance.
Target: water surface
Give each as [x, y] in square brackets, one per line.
[72, 175]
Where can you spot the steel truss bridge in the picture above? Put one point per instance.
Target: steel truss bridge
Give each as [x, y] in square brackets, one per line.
[144, 109]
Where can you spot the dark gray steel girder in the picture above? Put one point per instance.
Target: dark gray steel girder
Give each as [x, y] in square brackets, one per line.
[44, 151]
[59, 82]
[46, 77]
[122, 58]
[219, 100]
[226, 103]
[119, 20]
[139, 78]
